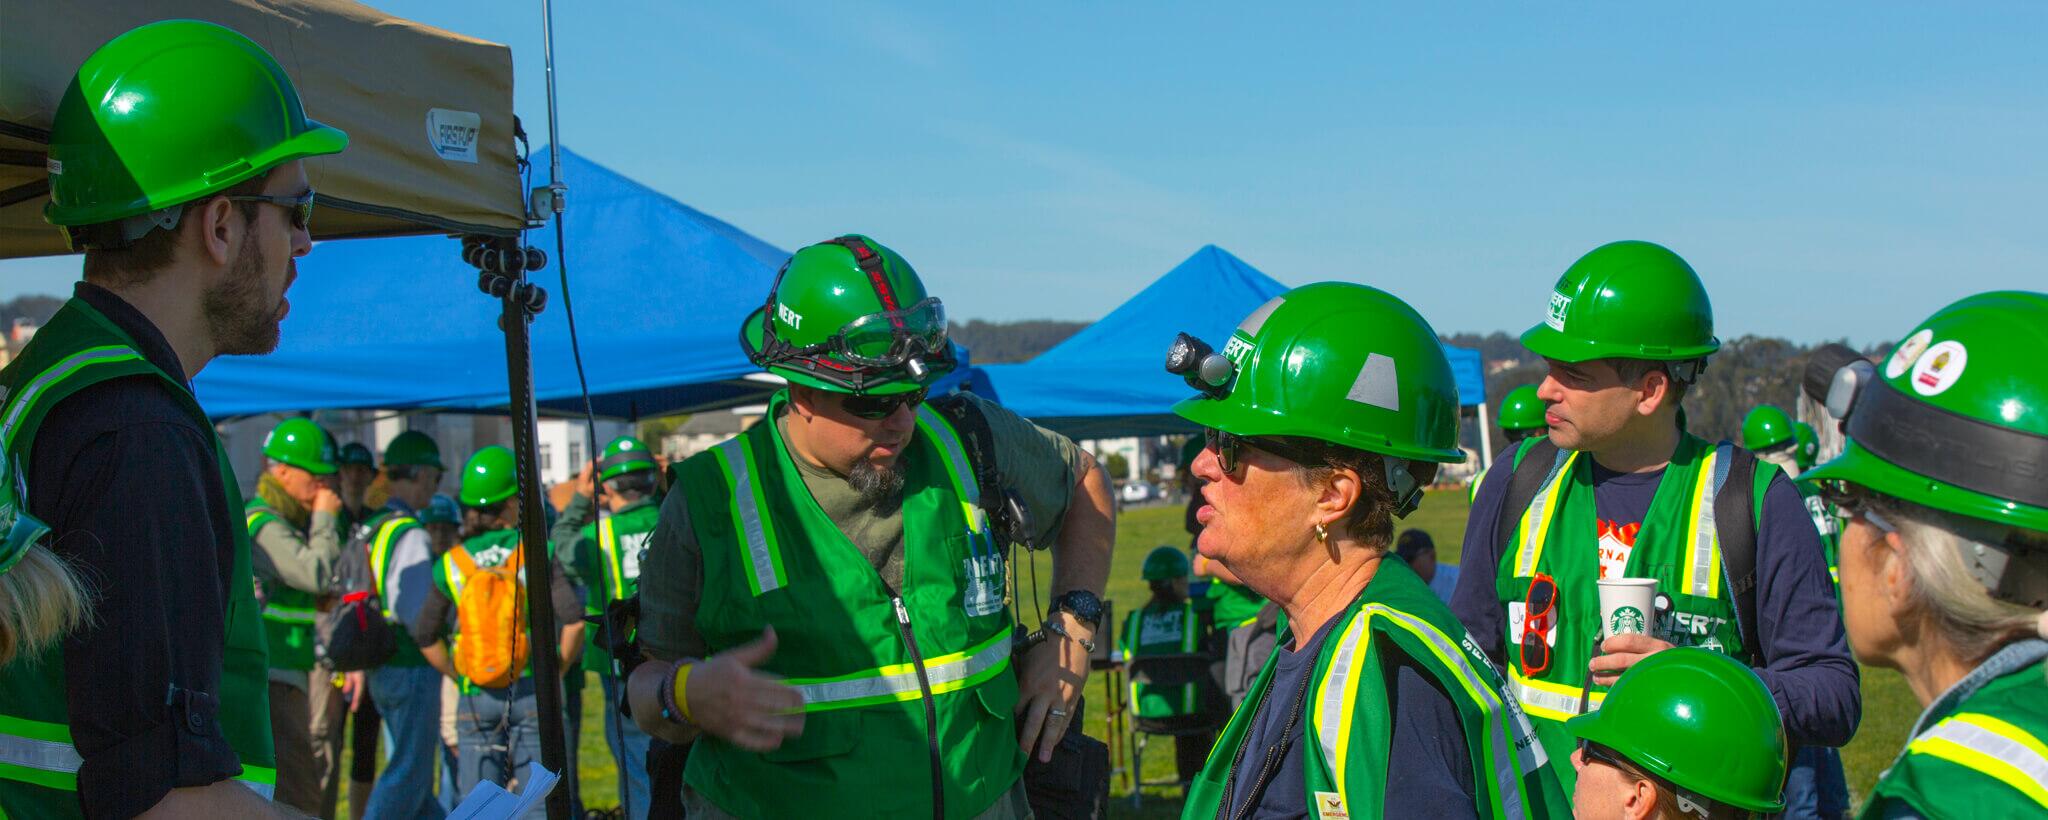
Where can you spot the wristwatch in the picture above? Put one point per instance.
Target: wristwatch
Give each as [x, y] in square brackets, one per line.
[1081, 604]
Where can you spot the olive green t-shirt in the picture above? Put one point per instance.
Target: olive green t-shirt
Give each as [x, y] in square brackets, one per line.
[1041, 466]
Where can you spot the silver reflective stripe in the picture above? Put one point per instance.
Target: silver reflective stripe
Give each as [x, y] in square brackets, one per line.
[1965, 731]
[1552, 702]
[1705, 537]
[290, 615]
[762, 563]
[1330, 721]
[901, 684]
[47, 755]
[956, 458]
[1506, 771]
[1534, 522]
[57, 372]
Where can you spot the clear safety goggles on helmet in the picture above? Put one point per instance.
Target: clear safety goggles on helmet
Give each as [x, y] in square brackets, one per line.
[911, 338]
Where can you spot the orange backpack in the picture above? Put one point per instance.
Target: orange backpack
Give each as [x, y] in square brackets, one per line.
[490, 618]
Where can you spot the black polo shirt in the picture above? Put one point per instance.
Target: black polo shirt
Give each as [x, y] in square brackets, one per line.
[129, 484]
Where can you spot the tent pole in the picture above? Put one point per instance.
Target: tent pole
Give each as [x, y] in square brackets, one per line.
[1485, 439]
[522, 300]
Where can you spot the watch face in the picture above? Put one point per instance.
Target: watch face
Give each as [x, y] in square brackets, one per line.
[1082, 604]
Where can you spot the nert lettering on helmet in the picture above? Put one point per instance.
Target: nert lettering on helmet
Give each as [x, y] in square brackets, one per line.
[795, 319]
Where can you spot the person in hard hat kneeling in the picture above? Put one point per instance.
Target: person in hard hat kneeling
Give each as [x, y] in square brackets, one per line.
[1619, 489]
[1689, 733]
[1171, 623]
[851, 548]
[175, 165]
[1327, 414]
[1945, 556]
[605, 558]
[497, 719]
[295, 524]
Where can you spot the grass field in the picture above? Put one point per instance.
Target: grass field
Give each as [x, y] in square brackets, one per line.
[1888, 706]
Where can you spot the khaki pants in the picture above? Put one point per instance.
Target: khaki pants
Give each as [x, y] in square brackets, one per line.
[329, 720]
[298, 777]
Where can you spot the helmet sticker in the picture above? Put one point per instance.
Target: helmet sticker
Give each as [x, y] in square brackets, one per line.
[1908, 352]
[1939, 367]
[790, 317]
[1377, 384]
[1560, 305]
[1251, 324]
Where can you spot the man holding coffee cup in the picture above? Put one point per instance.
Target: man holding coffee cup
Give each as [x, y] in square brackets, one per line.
[1620, 535]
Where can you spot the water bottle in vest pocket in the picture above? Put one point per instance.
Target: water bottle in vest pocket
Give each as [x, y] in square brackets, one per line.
[490, 618]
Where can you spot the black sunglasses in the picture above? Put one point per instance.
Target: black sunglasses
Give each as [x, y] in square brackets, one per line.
[876, 408]
[301, 206]
[1226, 446]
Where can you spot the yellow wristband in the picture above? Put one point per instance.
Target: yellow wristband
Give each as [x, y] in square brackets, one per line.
[681, 689]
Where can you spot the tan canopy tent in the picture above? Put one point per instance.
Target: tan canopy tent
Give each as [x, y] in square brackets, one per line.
[428, 112]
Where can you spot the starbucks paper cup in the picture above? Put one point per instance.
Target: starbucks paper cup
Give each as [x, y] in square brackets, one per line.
[1628, 605]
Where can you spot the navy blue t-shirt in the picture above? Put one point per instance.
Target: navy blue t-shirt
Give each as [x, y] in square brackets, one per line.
[1799, 623]
[1430, 771]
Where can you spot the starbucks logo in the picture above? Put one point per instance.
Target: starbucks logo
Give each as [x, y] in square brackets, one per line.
[1626, 619]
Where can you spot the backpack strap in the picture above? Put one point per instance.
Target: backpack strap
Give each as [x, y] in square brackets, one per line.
[1532, 464]
[1735, 527]
[1006, 516]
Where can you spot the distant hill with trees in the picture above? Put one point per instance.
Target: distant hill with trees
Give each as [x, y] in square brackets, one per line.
[1007, 342]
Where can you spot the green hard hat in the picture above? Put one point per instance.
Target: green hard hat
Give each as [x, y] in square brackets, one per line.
[413, 448]
[1702, 721]
[355, 453]
[624, 455]
[851, 316]
[1163, 563]
[1957, 416]
[302, 444]
[1522, 410]
[490, 476]
[1806, 445]
[1766, 428]
[1344, 363]
[1628, 300]
[441, 510]
[170, 112]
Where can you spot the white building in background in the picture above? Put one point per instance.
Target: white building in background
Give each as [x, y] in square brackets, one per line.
[707, 430]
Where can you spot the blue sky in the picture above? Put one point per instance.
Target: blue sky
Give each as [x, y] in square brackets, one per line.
[1830, 169]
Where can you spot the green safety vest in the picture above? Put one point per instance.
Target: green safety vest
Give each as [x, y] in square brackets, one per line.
[385, 530]
[870, 662]
[38, 764]
[612, 561]
[1829, 523]
[288, 614]
[1982, 749]
[487, 550]
[1160, 630]
[1677, 545]
[1346, 720]
[1236, 605]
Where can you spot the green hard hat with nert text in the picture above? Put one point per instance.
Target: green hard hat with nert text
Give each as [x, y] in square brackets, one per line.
[170, 112]
[1699, 720]
[1627, 300]
[850, 315]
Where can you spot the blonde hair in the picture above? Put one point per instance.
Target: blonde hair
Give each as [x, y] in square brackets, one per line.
[1961, 610]
[41, 600]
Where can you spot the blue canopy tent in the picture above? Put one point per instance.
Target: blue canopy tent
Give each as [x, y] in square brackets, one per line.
[659, 290]
[1110, 379]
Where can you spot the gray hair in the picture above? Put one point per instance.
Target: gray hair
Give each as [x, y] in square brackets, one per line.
[1962, 610]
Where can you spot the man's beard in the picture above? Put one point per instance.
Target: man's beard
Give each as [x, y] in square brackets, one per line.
[242, 320]
[880, 488]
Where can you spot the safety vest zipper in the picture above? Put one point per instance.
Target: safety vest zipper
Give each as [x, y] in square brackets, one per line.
[931, 710]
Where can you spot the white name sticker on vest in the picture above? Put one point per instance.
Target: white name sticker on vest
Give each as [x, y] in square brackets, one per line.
[1330, 806]
[1517, 613]
[1159, 627]
[453, 134]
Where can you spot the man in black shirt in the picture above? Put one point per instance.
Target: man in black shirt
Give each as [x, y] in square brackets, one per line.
[157, 703]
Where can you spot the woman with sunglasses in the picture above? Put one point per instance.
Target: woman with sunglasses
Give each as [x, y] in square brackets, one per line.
[1327, 413]
[1944, 562]
[1686, 733]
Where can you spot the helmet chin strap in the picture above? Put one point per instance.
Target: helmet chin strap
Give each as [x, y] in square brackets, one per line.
[1407, 493]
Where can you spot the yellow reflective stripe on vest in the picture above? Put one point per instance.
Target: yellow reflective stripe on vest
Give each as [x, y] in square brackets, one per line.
[63, 369]
[1336, 694]
[1991, 747]
[898, 682]
[608, 543]
[380, 556]
[764, 553]
[1550, 701]
[955, 457]
[33, 751]
[1703, 561]
[453, 572]
[1535, 524]
[1507, 734]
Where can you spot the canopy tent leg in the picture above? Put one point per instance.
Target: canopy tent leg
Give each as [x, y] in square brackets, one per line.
[1485, 439]
[504, 264]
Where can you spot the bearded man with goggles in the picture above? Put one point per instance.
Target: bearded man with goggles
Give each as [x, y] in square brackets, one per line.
[823, 598]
